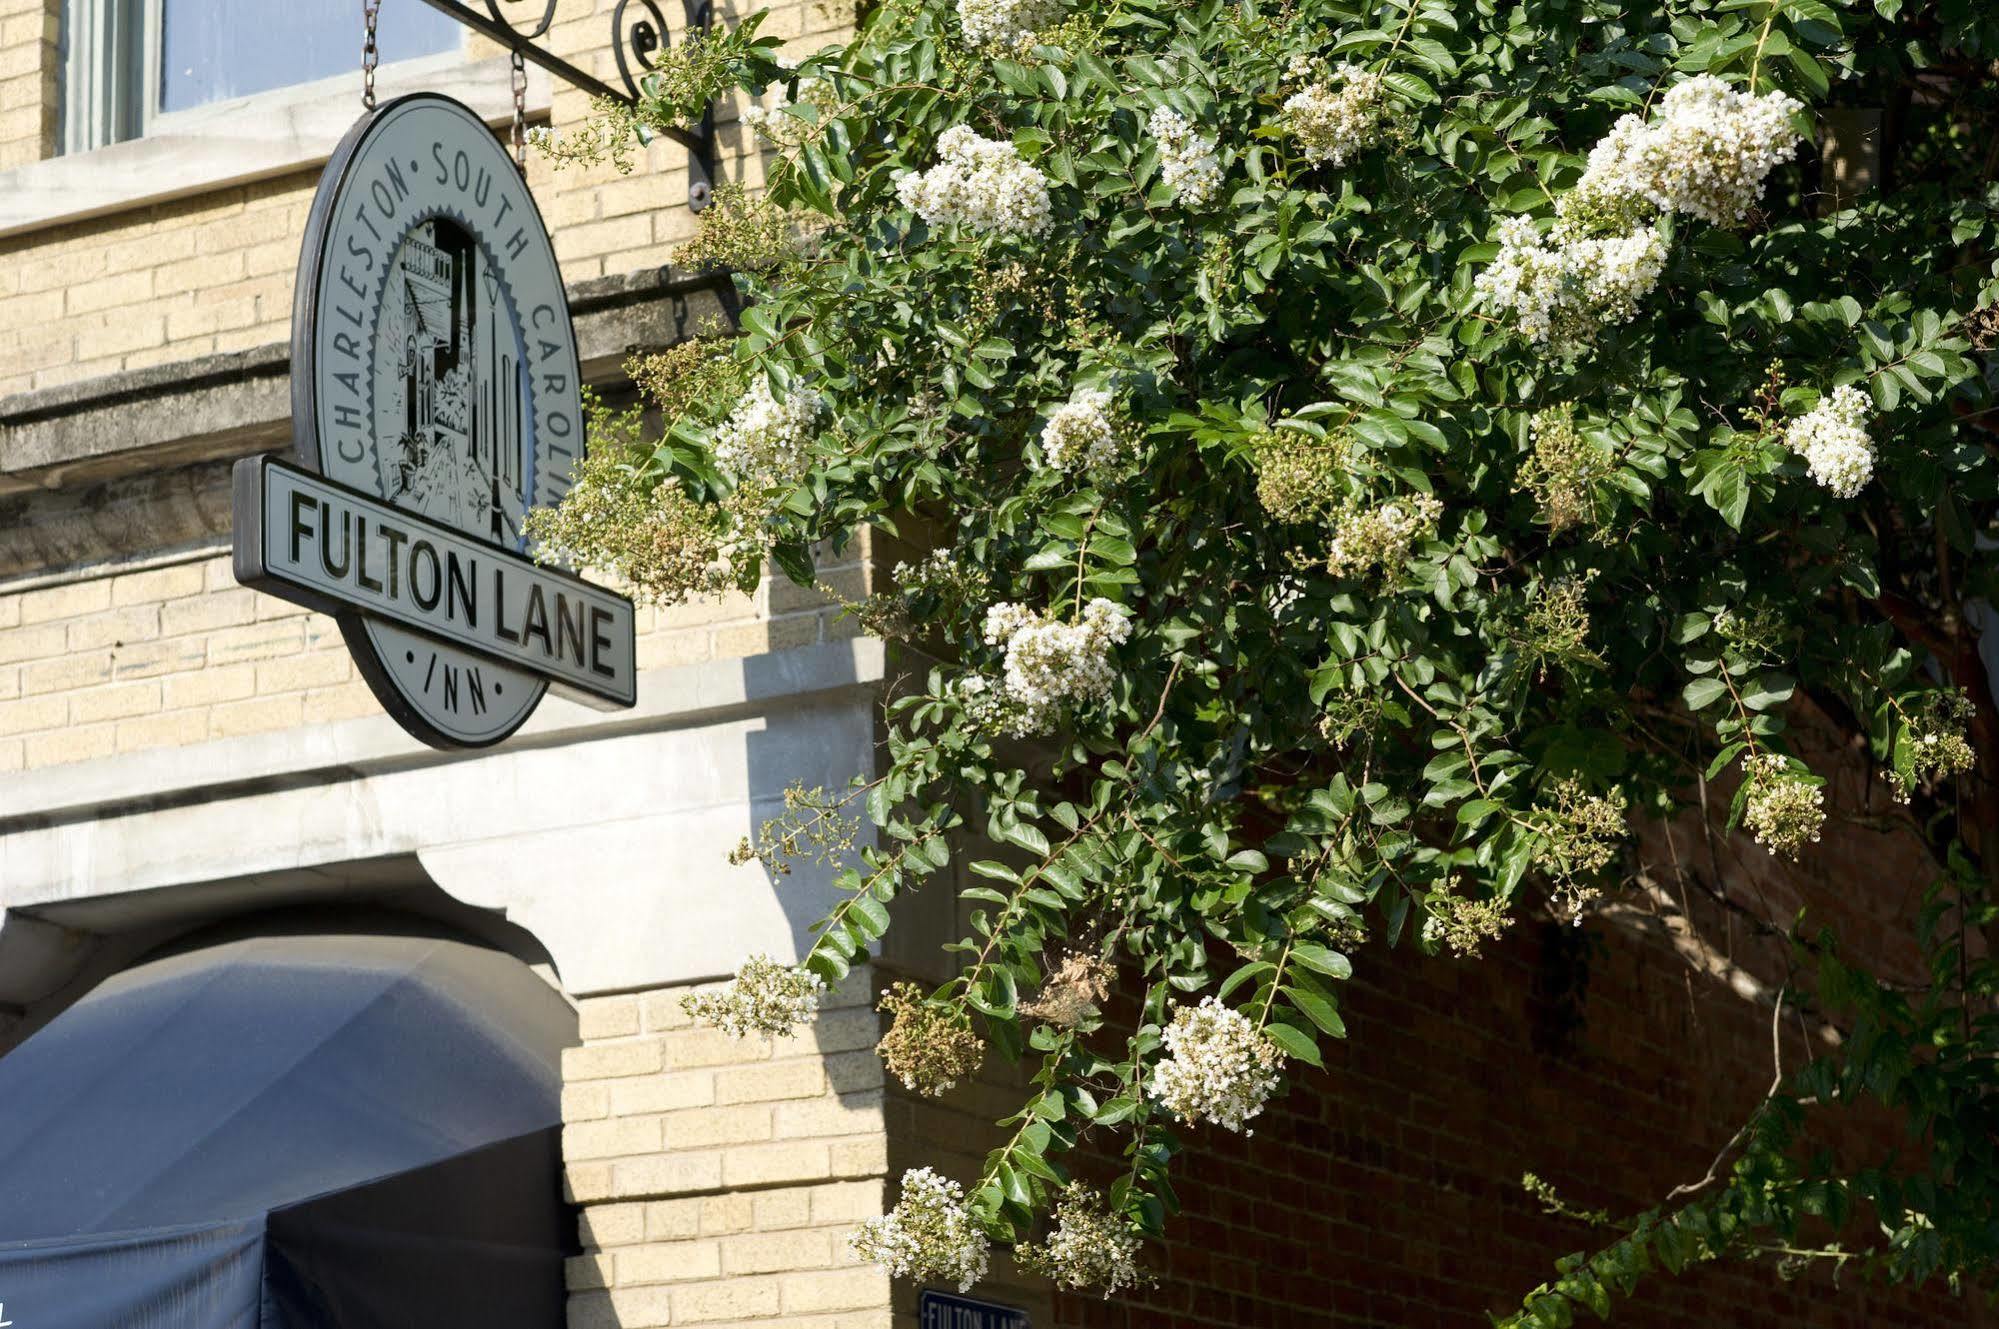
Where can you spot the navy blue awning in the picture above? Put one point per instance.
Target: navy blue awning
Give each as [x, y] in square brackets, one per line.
[290, 1131]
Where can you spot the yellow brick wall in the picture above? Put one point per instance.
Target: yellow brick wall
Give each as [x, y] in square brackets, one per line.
[163, 656]
[212, 273]
[167, 282]
[29, 30]
[719, 1177]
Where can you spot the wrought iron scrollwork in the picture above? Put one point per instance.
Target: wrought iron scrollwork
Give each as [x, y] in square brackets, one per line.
[638, 34]
[547, 18]
[637, 39]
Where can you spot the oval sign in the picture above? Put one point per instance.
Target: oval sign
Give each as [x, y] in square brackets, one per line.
[434, 366]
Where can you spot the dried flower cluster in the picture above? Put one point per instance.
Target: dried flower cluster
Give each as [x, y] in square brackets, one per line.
[1755, 632]
[1349, 716]
[1071, 994]
[741, 231]
[1338, 115]
[1581, 835]
[1090, 1247]
[680, 83]
[931, 1233]
[1981, 327]
[929, 1046]
[1218, 1066]
[940, 575]
[624, 519]
[918, 595]
[1555, 629]
[1050, 664]
[814, 828]
[1461, 924]
[626, 523]
[1832, 439]
[678, 381]
[980, 184]
[1782, 808]
[609, 134]
[764, 997]
[1565, 470]
[1081, 433]
[1935, 747]
[1379, 538]
[1005, 22]
[1300, 477]
[1187, 160]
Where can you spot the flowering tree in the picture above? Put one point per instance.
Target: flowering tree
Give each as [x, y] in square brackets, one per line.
[1377, 453]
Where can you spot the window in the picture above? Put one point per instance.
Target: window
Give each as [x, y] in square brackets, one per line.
[137, 67]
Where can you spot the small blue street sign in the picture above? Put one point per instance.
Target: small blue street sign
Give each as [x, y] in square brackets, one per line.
[945, 1310]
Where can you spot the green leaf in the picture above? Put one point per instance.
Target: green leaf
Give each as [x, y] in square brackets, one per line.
[1318, 1010]
[1294, 1041]
[1321, 960]
[1027, 837]
[1704, 692]
[872, 913]
[1767, 690]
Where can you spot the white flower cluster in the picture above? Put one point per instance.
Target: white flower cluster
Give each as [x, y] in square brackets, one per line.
[1832, 438]
[1080, 434]
[771, 123]
[1783, 810]
[980, 184]
[1562, 290]
[930, 1233]
[1218, 1066]
[1705, 152]
[1187, 160]
[1091, 1246]
[765, 997]
[1050, 664]
[1366, 539]
[936, 573]
[1004, 22]
[1333, 124]
[764, 440]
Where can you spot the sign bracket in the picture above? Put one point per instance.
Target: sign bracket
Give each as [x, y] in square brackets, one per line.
[638, 32]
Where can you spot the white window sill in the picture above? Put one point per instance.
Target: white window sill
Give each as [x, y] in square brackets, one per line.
[249, 138]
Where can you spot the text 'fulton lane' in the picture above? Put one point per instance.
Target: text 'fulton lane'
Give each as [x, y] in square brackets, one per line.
[353, 551]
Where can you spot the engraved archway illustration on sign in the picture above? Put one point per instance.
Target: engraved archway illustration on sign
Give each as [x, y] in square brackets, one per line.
[451, 387]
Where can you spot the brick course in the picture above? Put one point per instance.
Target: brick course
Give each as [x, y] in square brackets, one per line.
[693, 1212]
[1386, 1190]
[122, 661]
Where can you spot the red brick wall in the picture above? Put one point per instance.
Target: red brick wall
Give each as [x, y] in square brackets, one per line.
[1386, 1190]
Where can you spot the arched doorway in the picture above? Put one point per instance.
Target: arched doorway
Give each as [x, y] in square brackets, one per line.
[296, 1121]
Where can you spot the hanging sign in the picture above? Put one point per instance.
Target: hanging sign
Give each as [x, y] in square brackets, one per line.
[946, 1310]
[436, 398]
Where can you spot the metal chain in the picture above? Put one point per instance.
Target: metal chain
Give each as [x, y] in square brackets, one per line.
[370, 56]
[520, 76]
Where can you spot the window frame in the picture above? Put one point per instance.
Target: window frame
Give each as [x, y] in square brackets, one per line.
[258, 137]
[100, 45]
[111, 82]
